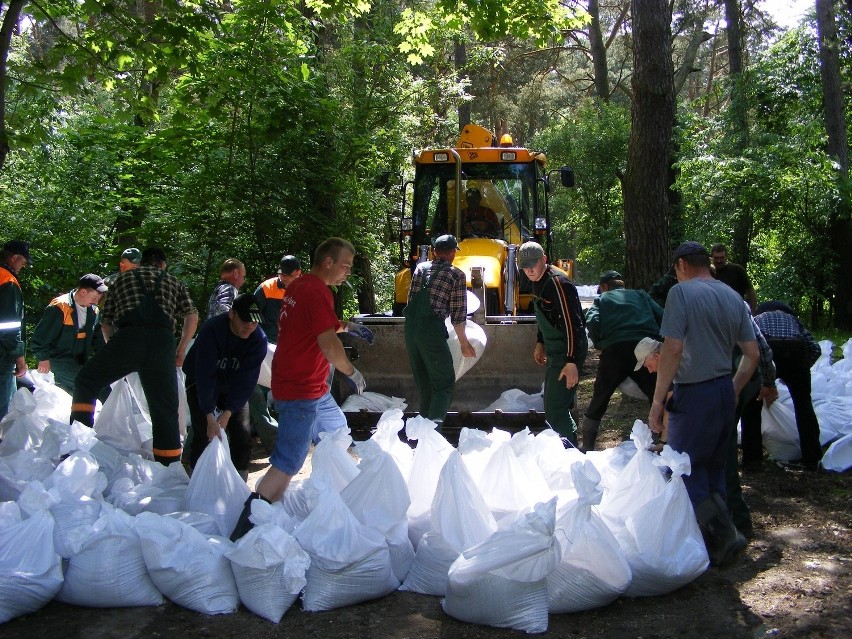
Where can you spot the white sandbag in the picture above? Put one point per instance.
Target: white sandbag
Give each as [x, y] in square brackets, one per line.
[460, 519]
[780, 435]
[265, 378]
[476, 336]
[666, 547]
[430, 454]
[109, 571]
[476, 448]
[52, 401]
[373, 402]
[186, 567]
[555, 461]
[826, 346]
[630, 388]
[502, 581]
[141, 401]
[216, 487]
[10, 514]
[74, 519]
[23, 403]
[593, 571]
[515, 400]
[18, 469]
[77, 476]
[838, 457]
[30, 569]
[387, 437]
[378, 497]
[350, 562]
[331, 462]
[202, 522]
[26, 432]
[122, 424]
[509, 485]
[269, 568]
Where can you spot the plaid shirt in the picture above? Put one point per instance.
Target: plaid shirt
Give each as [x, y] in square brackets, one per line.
[126, 294]
[765, 365]
[447, 289]
[781, 325]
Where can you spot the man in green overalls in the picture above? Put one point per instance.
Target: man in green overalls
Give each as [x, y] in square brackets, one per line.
[561, 345]
[68, 331]
[145, 304]
[438, 290]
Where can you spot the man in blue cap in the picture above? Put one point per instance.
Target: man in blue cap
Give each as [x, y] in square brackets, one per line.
[704, 320]
[438, 291]
[13, 257]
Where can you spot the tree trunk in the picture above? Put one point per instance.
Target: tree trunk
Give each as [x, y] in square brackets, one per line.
[461, 71]
[835, 125]
[598, 50]
[646, 181]
[10, 23]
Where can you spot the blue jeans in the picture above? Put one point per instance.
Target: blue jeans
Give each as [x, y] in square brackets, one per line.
[300, 421]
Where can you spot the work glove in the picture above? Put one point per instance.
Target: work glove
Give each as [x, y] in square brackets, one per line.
[361, 331]
[357, 381]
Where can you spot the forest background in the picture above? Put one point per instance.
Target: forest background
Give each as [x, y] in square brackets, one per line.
[255, 128]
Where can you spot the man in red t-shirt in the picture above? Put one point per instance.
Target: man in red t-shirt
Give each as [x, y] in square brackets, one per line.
[307, 344]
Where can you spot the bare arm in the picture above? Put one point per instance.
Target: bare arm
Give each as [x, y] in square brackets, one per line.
[751, 355]
[466, 348]
[332, 349]
[190, 323]
[670, 356]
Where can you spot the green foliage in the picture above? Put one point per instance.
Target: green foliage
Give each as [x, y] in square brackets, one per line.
[589, 219]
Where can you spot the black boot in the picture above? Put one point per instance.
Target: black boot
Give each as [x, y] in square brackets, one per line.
[589, 428]
[244, 523]
[723, 541]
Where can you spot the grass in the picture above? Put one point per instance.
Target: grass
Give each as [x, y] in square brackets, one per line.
[838, 339]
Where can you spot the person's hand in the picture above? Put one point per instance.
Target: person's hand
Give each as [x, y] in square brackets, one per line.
[357, 381]
[467, 350]
[767, 395]
[44, 366]
[360, 331]
[20, 367]
[655, 417]
[214, 429]
[539, 355]
[570, 374]
[179, 357]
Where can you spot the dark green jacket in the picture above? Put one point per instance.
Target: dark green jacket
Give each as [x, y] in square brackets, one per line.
[12, 329]
[58, 335]
[623, 315]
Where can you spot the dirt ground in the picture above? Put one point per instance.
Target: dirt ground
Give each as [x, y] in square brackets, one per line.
[793, 581]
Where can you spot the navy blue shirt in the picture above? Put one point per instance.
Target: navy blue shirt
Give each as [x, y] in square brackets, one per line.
[220, 363]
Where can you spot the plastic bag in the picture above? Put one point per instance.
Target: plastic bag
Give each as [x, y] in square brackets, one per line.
[216, 487]
[502, 581]
[592, 571]
[331, 461]
[30, 569]
[350, 562]
[186, 567]
[121, 424]
[476, 336]
[269, 568]
[780, 434]
[838, 457]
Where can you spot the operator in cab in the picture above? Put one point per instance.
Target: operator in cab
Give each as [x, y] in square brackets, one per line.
[479, 220]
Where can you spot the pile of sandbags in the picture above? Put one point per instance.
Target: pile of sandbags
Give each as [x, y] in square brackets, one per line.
[508, 528]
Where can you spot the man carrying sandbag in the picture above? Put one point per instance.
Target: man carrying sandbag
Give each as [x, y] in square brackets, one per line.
[704, 320]
[145, 304]
[221, 370]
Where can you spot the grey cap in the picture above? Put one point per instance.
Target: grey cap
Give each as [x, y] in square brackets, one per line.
[289, 263]
[529, 254]
[645, 347]
[132, 255]
[446, 242]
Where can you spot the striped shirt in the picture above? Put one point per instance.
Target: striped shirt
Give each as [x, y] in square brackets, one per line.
[125, 295]
[447, 289]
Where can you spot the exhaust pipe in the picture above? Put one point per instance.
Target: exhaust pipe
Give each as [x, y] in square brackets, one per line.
[511, 278]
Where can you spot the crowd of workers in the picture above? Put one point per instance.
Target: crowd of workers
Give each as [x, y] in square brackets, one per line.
[693, 347]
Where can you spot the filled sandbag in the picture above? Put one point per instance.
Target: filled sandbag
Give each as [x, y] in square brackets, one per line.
[476, 336]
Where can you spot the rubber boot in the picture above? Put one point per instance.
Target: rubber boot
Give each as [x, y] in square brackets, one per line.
[589, 428]
[244, 524]
[723, 541]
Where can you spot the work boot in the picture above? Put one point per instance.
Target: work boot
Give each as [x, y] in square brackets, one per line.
[244, 524]
[723, 541]
[589, 427]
